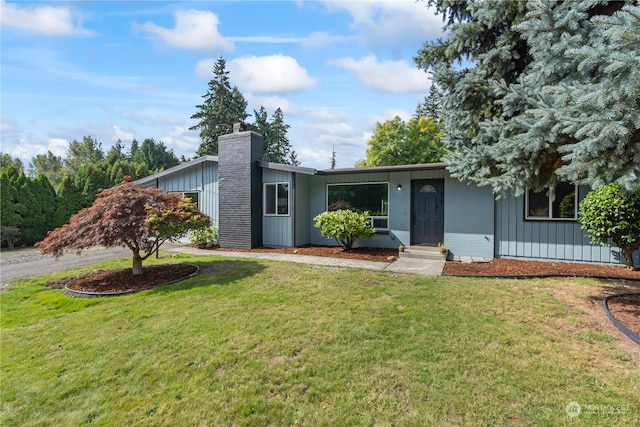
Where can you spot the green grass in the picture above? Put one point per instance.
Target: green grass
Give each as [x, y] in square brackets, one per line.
[266, 343]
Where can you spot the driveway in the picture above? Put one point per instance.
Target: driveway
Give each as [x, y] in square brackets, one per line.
[30, 263]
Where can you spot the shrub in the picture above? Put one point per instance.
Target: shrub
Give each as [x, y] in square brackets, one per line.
[11, 235]
[609, 214]
[205, 237]
[345, 226]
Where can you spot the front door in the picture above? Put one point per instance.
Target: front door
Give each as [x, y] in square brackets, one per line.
[427, 216]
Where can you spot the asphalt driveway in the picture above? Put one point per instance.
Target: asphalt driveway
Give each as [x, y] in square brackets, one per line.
[30, 263]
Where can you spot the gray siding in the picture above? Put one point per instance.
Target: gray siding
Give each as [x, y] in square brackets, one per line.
[277, 231]
[302, 211]
[202, 178]
[468, 221]
[399, 204]
[555, 240]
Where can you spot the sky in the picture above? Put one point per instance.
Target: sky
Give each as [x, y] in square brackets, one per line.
[119, 70]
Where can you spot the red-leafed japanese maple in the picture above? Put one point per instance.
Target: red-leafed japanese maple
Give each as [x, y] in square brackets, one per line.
[127, 215]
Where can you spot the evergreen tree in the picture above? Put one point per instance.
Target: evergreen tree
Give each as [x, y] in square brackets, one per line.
[91, 179]
[79, 154]
[222, 107]
[69, 201]
[333, 157]
[395, 142]
[277, 147]
[430, 107]
[33, 220]
[117, 152]
[133, 150]
[12, 211]
[45, 207]
[155, 156]
[49, 165]
[549, 94]
[7, 161]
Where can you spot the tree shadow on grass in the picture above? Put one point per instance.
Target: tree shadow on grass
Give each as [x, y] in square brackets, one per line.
[218, 273]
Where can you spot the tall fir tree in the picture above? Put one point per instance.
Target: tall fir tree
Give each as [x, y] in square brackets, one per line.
[430, 107]
[548, 91]
[223, 106]
[277, 147]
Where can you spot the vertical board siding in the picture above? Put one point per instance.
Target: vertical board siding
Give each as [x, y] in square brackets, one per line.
[469, 219]
[302, 212]
[547, 239]
[277, 231]
[202, 178]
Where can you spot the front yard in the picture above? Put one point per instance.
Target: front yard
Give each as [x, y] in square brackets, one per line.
[266, 343]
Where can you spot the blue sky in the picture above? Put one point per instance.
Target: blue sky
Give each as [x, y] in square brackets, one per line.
[122, 70]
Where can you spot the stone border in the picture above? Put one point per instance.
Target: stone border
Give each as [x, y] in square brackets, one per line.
[83, 294]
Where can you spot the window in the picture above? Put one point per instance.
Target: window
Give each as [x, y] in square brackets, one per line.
[370, 197]
[276, 199]
[194, 196]
[557, 203]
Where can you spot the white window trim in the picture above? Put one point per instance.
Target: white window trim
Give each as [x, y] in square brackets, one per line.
[264, 198]
[371, 217]
[550, 218]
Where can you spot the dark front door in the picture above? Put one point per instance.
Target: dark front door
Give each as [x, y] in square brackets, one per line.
[427, 217]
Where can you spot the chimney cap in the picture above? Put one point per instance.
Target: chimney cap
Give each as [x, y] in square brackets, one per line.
[239, 127]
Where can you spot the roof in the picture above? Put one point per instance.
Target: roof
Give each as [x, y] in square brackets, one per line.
[296, 169]
[181, 166]
[286, 168]
[398, 168]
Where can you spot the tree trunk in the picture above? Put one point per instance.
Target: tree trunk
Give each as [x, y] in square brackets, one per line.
[628, 257]
[137, 264]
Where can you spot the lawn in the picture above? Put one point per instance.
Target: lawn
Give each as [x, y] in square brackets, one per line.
[267, 343]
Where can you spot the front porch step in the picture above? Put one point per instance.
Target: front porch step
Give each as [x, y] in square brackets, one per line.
[423, 252]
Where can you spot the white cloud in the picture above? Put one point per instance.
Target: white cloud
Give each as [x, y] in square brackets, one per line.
[45, 20]
[119, 134]
[181, 140]
[58, 146]
[322, 39]
[194, 29]
[321, 131]
[271, 103]
[270, 74]
[262, 74]
[390, 24]
[388, 76]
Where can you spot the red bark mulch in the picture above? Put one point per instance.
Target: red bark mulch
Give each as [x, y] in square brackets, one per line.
[121, 280]
[500, 267]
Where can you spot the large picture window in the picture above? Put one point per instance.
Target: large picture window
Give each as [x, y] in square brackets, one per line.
[276, 199]
[368, 197]
[557, 203]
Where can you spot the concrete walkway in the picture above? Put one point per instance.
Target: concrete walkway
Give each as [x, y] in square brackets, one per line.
[402, 265]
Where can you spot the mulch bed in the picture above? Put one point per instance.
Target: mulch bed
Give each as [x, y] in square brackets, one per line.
[500, 267]
[361, 253]
[121, 280]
